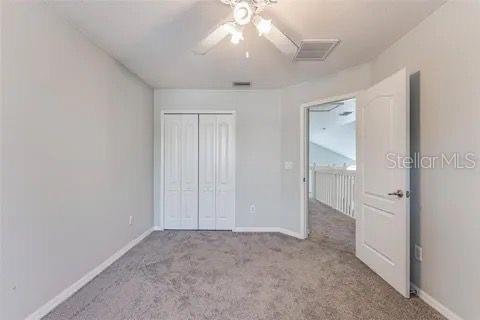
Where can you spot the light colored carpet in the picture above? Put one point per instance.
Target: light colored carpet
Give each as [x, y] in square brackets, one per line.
[177, 275]
[331, 228]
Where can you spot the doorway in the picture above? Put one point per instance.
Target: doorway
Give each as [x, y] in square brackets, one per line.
[382, 185]
[331, 165]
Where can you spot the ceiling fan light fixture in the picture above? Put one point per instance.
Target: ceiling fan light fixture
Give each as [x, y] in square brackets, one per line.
[242, 13]
[235, 32]
[236, 38]
[263, 26]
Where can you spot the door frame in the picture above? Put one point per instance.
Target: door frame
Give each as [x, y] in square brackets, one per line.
[304, 151]
[159, 157]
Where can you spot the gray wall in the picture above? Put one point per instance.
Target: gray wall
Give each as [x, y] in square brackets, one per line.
[445, 209]
[344, 82]
[77, 156]
[445, 212]
[76, 152]
[324, 157]
[258, 148]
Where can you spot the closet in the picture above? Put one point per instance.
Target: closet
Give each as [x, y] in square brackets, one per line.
[199, 171]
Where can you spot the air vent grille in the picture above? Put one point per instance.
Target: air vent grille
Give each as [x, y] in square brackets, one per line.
[242, 84]
[315, 49]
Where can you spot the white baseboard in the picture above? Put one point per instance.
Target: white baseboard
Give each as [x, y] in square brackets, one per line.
[65, 294]
[258, 229]
[255, 229]
[291, 233]
[269, 229]
[447, 313]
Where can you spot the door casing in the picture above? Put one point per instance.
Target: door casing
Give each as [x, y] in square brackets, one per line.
[304, 150]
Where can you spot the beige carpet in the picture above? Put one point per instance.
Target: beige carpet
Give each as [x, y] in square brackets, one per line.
[176, 275]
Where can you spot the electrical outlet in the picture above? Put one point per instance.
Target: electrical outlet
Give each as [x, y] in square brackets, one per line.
[130, 220]
[288, 165]
[253, 209]
[418, 253]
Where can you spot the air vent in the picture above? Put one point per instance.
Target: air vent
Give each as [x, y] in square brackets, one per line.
[315, 49]
[242, 84]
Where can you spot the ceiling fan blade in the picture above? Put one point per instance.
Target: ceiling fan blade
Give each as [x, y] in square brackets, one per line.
[281, 41]
[212, 40]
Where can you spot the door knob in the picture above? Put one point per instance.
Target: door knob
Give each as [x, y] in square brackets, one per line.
[398, 193]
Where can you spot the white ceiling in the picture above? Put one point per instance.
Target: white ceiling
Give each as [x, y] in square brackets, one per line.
[154, 38]
[332, 131]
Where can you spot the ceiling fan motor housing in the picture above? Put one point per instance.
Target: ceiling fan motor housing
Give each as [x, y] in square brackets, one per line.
[242, 13]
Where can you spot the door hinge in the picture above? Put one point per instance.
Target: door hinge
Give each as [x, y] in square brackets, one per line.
[304, 179]
[407, 194]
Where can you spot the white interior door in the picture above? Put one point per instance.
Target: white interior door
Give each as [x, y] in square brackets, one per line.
[172, 171]
[225, 172]
[207, 166]
[189, 217]
[181, 171]
[383, 221]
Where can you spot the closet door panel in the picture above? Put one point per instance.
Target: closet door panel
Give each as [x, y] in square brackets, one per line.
[189, 161]
[172, 171]
[206, 148]
[225, 172]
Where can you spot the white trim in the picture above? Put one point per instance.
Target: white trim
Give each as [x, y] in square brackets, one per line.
[234, 114]
[269, 230]
[66, 293]
[321, 101]
[304, 167]
[428, 299]
[157, 169]
[291, 233]
[255, 229]
[159, 143]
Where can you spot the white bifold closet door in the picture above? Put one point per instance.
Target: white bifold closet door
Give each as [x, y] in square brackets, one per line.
[181, 171]
[216, 172]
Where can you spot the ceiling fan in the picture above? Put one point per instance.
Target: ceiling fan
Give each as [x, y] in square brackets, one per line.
[243, 13]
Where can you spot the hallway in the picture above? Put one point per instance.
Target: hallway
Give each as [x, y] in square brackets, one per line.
[331, 228]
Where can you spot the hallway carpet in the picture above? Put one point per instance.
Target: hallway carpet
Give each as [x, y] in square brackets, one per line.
[181, 275]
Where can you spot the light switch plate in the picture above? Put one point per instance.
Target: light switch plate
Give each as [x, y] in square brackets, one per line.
[418, 253]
